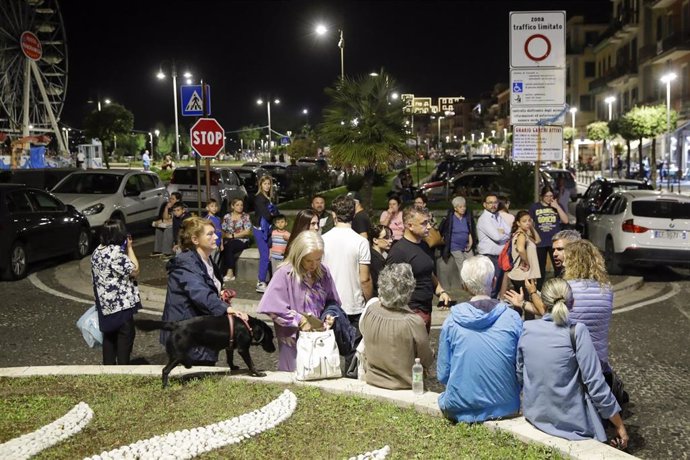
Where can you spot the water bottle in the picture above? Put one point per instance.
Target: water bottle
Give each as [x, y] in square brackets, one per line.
[417, 377]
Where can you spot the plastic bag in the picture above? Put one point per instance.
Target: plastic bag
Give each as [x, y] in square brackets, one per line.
[88, 325]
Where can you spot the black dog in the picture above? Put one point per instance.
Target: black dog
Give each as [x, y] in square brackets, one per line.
[211, 332]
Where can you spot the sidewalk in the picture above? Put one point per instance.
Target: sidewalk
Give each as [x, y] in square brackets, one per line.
[425, 403]
[153, 283]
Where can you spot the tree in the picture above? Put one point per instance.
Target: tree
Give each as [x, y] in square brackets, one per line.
[303, 147]
[598, 132]
[113, 120]
[569, 136]
[649, 122]
[129, 144]
[363, 125]
[623, 127]
[249, 134]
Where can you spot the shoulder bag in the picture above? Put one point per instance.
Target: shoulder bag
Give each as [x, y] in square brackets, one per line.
[317, 356]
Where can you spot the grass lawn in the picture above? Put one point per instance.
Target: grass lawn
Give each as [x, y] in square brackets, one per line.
[128, 409]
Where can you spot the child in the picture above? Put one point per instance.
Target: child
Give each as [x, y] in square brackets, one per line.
[279, 239]
[180, 213]
[211, 211]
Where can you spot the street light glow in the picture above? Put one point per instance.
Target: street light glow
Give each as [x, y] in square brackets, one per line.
[160, 75]
[610, 100]
[305, 111]
[573, 110]
[321, 29]
[187, 74]
[669, 77]
[158, 132]
[107, 101]
[259, 101]
[395, 95]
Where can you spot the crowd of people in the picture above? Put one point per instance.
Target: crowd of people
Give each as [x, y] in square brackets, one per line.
[376, 285]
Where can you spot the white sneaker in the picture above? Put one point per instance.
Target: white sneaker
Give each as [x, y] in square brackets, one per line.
[260, 287]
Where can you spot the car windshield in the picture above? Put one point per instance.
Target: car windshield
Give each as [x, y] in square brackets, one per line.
[662, 209]
[92, 183]
[188, 176]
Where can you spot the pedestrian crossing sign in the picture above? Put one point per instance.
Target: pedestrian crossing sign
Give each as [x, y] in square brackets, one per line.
[192, 102]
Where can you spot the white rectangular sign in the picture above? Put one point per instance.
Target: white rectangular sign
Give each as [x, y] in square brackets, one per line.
[528, 141]
[537, 39]
[537, 114]
[537, 87]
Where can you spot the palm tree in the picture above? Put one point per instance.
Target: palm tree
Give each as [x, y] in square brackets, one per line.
[363, 126]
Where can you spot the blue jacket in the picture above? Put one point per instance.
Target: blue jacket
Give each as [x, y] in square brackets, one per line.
[476, 361]
[593, 307]
[191, 293]
[553, 399]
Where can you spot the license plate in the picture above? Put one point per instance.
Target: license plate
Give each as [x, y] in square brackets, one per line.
[671, 234]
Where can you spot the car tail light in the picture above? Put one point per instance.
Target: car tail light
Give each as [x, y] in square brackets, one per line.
[630, 227]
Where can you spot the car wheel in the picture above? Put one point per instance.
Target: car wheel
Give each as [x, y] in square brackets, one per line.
[18, 265]
[610, 258]
[83, 244]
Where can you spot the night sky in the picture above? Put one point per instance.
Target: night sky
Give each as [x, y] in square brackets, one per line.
[248, 49]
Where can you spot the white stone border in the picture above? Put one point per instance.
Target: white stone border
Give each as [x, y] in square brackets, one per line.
[379, 454]
[30, 444]
[186, 444]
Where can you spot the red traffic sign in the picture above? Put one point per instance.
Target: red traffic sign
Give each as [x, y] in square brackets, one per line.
[31, 46]
[208, 137]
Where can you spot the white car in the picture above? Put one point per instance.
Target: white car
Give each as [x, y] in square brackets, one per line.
[642, 227]
[135, 197]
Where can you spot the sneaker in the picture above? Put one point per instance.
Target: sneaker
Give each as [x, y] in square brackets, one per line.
[156, 254]
[260, 287]
[227, 278]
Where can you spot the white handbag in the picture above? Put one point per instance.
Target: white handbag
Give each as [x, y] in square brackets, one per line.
[317, 356]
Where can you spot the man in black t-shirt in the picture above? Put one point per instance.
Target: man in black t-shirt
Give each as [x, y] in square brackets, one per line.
[412, 249]
[360, 223]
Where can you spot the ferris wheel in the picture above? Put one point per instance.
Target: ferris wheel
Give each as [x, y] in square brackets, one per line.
[33, 66]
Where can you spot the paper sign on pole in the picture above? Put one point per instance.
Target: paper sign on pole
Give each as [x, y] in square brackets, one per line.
[528, 140]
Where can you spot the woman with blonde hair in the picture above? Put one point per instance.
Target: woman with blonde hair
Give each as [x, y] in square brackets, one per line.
[558, 367]
[586, 274]
[194, 283]
[264, 210]
[301, 288]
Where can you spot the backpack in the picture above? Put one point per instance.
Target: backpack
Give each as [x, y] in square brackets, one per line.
[505, 258]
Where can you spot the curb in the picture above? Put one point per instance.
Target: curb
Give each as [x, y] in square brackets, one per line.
[425, 403]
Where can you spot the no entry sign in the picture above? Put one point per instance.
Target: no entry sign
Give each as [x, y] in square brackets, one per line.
[31, 46]
[208, 137]
[537, 39]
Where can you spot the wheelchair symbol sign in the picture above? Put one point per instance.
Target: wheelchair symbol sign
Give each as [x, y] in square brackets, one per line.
[517, 87]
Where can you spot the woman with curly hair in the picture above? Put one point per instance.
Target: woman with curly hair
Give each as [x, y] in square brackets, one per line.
[586, 274]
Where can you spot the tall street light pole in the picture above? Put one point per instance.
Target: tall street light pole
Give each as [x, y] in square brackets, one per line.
[573, 111]
[668, 78]
[160, 75]
[322, 30]
[268, 113]
[610, 100]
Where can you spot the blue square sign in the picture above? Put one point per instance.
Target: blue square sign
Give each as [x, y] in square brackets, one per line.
[517, 86]
[192, 101]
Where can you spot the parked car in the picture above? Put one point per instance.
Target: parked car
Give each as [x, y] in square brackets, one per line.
[35, 225]
[280, 176]
[551, 176]
[336, 177]
[249, 178]
[642, 227]
[453, 166]
[43, 178]
[135, 197]
[471, 184]
[597, 192]
[225, 186]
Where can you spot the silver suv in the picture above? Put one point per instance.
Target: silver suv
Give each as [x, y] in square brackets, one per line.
[225, 186]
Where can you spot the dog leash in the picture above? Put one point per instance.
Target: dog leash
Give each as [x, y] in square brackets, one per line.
[232, 328]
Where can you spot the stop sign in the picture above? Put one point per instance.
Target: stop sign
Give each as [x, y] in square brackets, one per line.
[208, 137]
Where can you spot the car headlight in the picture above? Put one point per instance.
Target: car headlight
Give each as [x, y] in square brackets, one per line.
[95, 209]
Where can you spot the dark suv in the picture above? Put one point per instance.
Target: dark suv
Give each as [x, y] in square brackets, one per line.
[597, 192]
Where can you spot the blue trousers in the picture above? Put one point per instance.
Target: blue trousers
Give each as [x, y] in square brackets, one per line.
[264, 253]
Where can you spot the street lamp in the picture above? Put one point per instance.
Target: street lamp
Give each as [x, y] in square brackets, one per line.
[610, 100]
[668, 78]
[160, 75]
[573, 111]
[151, 141]
[322, 30]
[157, 132]
[66, 131]
[268, 112]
